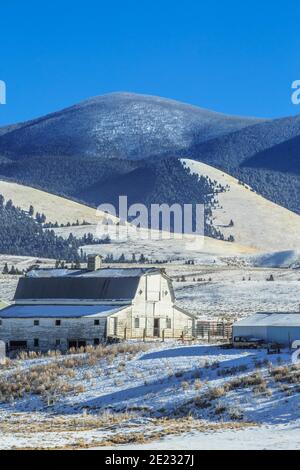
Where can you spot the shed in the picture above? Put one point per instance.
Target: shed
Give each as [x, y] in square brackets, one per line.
[279, 327]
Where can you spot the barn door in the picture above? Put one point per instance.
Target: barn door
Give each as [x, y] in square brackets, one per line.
[115, 326]
[156, 328]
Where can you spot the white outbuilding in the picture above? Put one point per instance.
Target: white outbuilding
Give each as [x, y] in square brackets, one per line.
[279, 327]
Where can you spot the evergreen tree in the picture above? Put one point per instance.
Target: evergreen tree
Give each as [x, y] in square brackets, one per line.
[5, 269]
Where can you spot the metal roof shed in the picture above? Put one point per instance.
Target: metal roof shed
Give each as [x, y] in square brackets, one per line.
[279, 327]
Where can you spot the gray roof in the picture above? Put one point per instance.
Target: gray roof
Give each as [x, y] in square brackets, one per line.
[59, 311]
[83, 288]
[264, 319]
[105, 272]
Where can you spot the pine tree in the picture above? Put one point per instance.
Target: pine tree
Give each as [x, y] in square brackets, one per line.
[5, 269]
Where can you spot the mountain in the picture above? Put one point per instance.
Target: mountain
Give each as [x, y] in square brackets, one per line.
[283, 157]
[235, 148]
[117, 125]
[120, 144]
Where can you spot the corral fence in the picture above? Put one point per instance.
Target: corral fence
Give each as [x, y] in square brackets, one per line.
[207, 330]
[213, 330]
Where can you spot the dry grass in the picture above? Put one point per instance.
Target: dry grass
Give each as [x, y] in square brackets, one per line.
[54, 378]
[47, 380]
[99, 352]
[289, 374]
[6, 363]
[19, 423]
[155, 429]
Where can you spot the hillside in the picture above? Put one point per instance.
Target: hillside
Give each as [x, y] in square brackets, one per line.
[235, 148]
[257, 222]
[22, 235]
[55, 208]
[163, 181]
[150, 395]
[61, 210]
[118, 125]
[264, 155]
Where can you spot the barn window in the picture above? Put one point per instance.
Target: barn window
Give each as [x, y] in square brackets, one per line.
[36, 342]
[168, 323]
[0, 322]
[36, 322]
[57, 342]
[96, 322]
[136, 322]
[57, 322]
[96, 341]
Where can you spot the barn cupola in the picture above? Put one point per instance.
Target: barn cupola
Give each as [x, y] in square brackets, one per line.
[94, 262]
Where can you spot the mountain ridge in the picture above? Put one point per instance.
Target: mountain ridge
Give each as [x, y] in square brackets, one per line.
[119, 125]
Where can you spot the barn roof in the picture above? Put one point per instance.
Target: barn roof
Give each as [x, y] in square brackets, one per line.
[83, 288]
[264, 319]
[100, 273]
[59, 311]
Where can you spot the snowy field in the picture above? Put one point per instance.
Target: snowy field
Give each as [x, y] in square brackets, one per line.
[280, 437]
[224, 292]
[159, 395]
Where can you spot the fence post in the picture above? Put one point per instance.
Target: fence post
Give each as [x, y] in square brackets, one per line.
[163, 336]
[125, 333]
[208, 336]
[144, 335]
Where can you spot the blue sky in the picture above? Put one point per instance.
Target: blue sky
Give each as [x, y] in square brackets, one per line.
[237, 57]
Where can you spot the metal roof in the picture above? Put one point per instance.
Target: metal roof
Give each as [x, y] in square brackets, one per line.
[83, 288]
[59, 311]
[99, 273]
[265, 319]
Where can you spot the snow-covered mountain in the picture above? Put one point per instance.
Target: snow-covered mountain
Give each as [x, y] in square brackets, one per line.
[118, 125]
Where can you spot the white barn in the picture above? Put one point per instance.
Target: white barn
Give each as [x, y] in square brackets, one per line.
[60, 308]
[282, 328]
